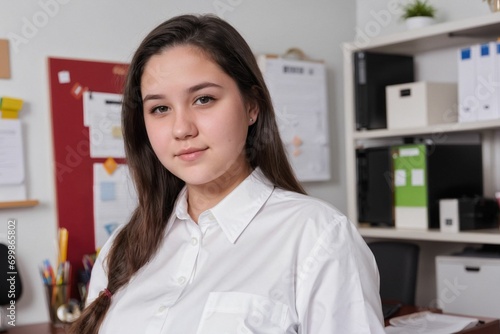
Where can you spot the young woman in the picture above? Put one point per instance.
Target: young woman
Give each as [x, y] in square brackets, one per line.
[224, 240]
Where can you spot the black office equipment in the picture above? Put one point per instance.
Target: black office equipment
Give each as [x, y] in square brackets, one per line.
[374, 185]
[397, 263]
[477, 213]
[451, 171]
[372, 73]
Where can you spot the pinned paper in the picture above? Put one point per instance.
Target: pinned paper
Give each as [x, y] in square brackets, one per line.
[110, 165]
[10, 107]
[114, 200]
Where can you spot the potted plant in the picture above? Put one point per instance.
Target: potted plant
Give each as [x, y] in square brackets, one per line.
[494, 5]
[418, 13]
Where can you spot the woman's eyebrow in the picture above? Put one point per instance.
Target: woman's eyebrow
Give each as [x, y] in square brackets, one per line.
[203, 85]
[153, 97]
[190, 90]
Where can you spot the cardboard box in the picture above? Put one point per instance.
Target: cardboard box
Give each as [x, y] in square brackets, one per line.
[420, 104]
[4, 59]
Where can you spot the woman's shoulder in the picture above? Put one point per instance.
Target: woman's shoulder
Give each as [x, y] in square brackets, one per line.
[308, 207]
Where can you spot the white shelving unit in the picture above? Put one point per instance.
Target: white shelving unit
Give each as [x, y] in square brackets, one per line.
[440, 39]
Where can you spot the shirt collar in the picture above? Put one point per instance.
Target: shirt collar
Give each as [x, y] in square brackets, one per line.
[234, 212]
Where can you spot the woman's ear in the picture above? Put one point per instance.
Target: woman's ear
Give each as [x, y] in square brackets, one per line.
[253, 109]
[253, 113]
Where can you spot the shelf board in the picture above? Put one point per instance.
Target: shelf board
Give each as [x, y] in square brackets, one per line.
[437, 36]
[19, 204]
[491, 236]
[432, 129]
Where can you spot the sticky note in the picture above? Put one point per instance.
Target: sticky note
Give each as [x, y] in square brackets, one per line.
[108, 191]
[116, 132]
[110, 165]
[77, 90]
[64, 77]
[10, 107]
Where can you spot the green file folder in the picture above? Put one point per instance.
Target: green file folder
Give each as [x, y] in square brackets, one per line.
[410, 175]
[410, 186]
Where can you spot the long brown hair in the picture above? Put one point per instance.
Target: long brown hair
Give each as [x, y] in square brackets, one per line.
[156, 187]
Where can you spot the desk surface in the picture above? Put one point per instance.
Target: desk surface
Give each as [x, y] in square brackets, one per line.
[488, 325]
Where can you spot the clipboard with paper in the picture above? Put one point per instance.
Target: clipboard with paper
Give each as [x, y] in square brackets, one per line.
[298, 89]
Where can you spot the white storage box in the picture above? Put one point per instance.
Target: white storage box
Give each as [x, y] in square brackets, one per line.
[468, 285]
[419, 104]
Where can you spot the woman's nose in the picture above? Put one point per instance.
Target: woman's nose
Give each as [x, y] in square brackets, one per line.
[184, 125]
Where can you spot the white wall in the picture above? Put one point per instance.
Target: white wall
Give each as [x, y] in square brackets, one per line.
[110, 30]
[381, 17]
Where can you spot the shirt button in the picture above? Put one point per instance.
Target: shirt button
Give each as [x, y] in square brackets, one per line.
[181, 280]
[194, 241]
[161, 310]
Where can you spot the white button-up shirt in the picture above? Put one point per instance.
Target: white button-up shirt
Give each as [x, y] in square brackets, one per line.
[263, 260]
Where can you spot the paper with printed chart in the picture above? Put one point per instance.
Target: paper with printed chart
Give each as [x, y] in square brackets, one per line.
[299, 93]
[114, 200]
[102, 114]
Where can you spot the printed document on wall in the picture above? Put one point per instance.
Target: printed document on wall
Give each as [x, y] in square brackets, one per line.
[299, 93]
[102, 114]
[12, 185]
[114, 200]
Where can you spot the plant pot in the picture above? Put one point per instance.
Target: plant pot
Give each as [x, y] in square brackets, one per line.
[494, 5]
[419, 22]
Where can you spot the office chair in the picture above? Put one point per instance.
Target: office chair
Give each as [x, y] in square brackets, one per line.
[397, 264]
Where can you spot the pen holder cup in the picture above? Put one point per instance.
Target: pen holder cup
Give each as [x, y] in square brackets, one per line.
[58, 297]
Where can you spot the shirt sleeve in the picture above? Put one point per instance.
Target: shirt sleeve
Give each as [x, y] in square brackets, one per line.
[338, 283]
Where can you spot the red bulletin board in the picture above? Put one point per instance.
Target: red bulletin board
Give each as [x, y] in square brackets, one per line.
[73, 164]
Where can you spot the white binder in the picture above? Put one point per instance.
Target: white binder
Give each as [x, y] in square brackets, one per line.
[487, 88]
[468, 102]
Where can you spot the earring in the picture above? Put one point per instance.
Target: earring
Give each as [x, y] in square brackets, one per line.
[251, 120]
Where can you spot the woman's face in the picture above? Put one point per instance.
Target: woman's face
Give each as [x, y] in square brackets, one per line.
[195, 116]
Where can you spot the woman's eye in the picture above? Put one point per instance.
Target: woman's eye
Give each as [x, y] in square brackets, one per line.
[204, 100]
[159, 110]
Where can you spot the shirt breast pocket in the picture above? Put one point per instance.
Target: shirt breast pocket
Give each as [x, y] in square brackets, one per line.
[243, 313]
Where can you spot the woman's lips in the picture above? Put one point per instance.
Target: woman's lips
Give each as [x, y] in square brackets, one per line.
[190, 154]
